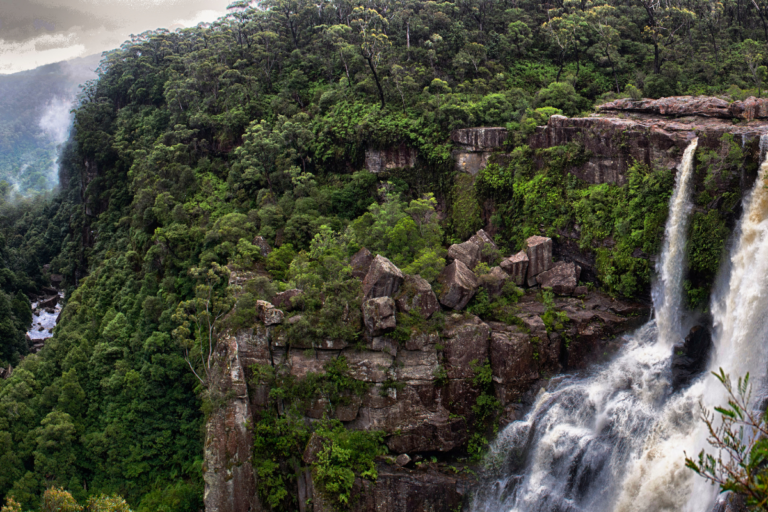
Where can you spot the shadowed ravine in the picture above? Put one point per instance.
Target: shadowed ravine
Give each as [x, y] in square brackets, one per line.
[615, 440]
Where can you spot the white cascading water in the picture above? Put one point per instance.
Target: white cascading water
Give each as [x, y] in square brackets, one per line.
[573, 448]
[616, 440]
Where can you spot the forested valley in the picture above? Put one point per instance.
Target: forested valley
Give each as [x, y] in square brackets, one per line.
[239, 148]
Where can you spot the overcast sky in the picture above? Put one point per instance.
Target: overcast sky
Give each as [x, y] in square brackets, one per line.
[38, 32]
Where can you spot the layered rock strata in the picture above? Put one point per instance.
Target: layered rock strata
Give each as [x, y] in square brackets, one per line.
[475, 146]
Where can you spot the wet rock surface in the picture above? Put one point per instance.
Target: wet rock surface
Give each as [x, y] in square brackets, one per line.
[689, 359]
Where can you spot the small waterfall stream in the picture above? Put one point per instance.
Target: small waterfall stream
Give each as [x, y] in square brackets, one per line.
[615, 440]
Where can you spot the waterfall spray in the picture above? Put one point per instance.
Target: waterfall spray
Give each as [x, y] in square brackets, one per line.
[573, 448]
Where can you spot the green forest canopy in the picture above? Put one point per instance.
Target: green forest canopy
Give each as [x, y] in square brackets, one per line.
[193, 142]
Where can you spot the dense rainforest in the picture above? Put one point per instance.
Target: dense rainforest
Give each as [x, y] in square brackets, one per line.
[190, 144]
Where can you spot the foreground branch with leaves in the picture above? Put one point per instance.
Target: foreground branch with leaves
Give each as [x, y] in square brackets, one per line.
[739, 435]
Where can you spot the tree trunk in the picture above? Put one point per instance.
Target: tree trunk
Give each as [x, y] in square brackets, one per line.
[376, 78]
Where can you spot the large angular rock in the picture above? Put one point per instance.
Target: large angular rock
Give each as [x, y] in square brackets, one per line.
[361, 263]
[383, 279]
[268, 313]
[283, 301]
[416, 295]
[517, 267]
[484, 241]
[465, 340]
[494, 281]
[561, 279]
[379, 315]
[468, 253]
[459, 285]
[539, 251]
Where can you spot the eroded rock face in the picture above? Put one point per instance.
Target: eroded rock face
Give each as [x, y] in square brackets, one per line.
[613, 143]
[465, 340]
[468, 253]
[380, 160]
[539, 251]
[401, 490]
[562, 278]
[479, 139]
[459, 285]
[379, 315]
[230, 482]
[416, 294]
[383, 279]
[512, 355]
[706, 106]
[475, 146]
[517, 267]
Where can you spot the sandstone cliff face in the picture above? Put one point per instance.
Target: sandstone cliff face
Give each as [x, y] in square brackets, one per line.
[475, 146]
[705, 106]
[380, 160]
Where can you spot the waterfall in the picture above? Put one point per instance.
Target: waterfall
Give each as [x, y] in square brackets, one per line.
[572, 451]
[668, 292]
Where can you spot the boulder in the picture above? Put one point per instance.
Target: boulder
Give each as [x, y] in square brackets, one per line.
[465, 340]
[539, 251]
[268, 313]
[494, 281]
[562, 278]
[283, 299]
[459, 285]
[49, 302]
[483, 239]
[517, 267]
[361, 263]
[402, 460]
[383, 279]
[690, 358]
[263, 246]
[416, 295]
[56, 280]
[468, 253]
[379, 315]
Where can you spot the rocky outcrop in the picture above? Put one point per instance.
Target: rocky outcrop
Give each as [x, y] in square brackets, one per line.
[517, 267]
[379, 315]
[383, 279]
[416, 295]
[284, 300]
[486, 244]
[494, 281]
[465, 341]
[361, 263]
[468, 253]
[730, 502]
[680, 106]
[263, 245]
[230, 481]
[268, 313]
[562, 278]
[459, 285]
[475, 146]
[539, 252]
[380, 160]
[612, 144]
